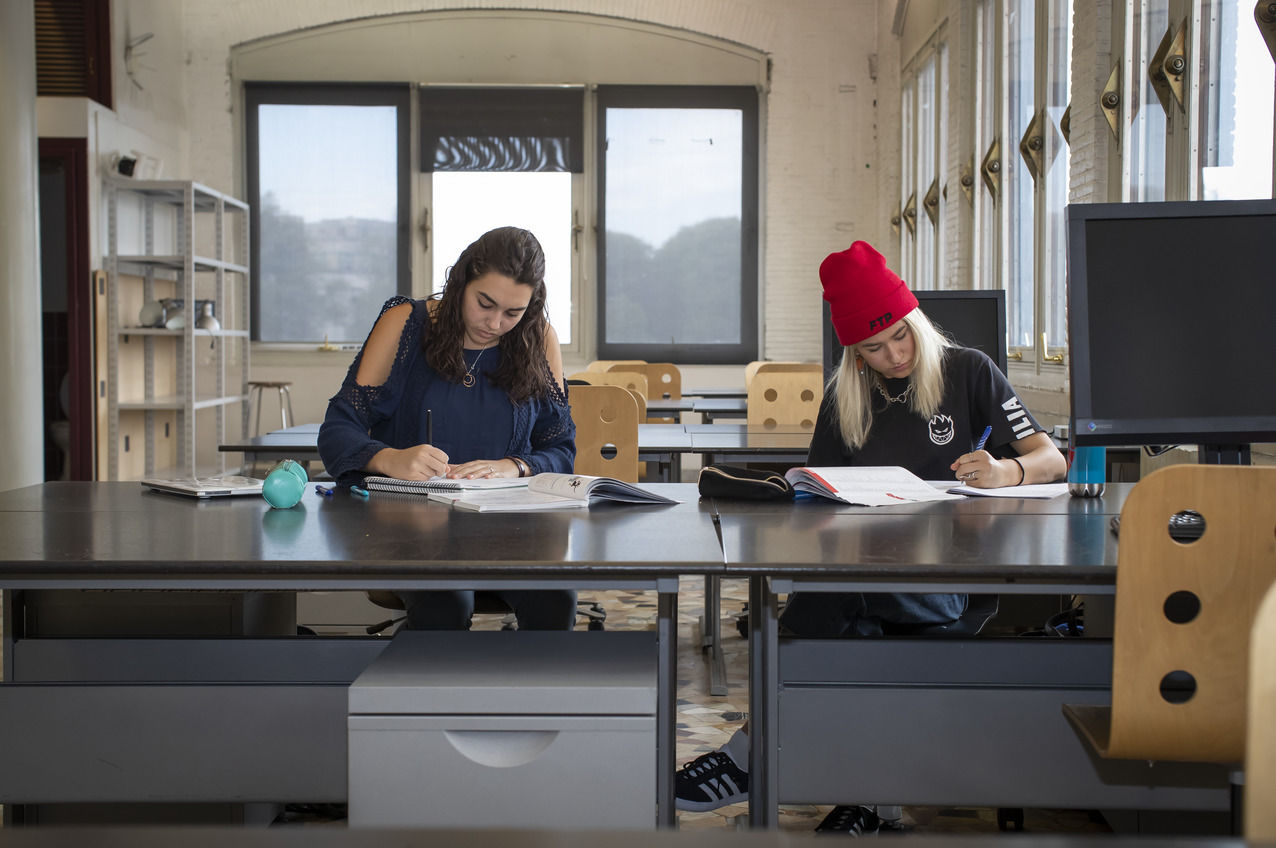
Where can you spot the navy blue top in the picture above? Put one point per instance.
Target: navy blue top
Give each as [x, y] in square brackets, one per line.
[469, 422]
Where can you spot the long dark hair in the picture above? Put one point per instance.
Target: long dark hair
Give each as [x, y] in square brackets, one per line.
[514, 253]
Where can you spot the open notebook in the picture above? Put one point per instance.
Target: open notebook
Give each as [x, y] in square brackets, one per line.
[552, 491]
[205, 487]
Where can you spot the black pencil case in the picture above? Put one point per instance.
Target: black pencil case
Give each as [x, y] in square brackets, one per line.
[747, 484]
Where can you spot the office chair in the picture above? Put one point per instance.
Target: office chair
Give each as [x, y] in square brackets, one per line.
[485, 603]
[1185, 603]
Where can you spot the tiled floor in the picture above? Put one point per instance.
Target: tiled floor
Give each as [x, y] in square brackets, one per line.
[705, 722]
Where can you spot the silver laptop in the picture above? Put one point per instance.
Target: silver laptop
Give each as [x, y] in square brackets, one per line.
[205, 487]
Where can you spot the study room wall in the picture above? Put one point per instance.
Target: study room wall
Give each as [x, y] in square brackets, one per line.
[821, 166]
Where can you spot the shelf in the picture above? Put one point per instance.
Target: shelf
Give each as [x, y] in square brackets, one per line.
[173, 192]
[173, 402]
[177, 334]
[178, 263]
[155, 228]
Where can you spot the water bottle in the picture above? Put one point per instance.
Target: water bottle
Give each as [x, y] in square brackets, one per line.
[1086, 471]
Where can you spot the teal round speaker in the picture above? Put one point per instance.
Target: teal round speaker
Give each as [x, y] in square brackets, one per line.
[284, 484]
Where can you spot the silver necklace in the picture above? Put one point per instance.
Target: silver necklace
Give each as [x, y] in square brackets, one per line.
[468, 380]
[899, 398]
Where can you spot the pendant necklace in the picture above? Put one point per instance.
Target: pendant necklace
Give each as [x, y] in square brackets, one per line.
[899, 398]
[468, 379]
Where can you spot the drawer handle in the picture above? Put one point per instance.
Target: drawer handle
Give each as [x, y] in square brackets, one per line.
[500, 748]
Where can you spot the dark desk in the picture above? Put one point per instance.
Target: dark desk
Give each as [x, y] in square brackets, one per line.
[722, 407]
[663, 444]
[163, 719]
[935, 721]
[716, 392]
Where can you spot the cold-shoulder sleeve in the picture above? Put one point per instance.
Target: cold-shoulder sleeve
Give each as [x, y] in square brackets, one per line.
[553, 434]
[346, 444]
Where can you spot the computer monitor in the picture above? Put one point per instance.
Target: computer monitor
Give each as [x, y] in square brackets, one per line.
[974, 318]
[1170, 323]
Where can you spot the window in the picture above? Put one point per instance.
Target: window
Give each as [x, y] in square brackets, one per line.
[1018, 208]
[986, 148]
[505, 157]
[1236, 115]
[923, 148]
[1143, 166]
[1206, 134]
[328, 184]
[677, 223]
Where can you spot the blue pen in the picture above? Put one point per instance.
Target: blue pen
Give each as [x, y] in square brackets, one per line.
[326, 491]
[355, 490]
[984, 438]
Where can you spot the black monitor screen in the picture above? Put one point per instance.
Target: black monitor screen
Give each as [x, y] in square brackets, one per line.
[975, 318]
[1170, 322]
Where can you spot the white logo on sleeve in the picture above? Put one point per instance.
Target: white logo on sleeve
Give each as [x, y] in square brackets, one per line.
[1017, 418]
[941, 429]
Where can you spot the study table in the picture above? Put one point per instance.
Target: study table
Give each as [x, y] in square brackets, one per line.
[663, 444]
[89, 719]
[929, 720]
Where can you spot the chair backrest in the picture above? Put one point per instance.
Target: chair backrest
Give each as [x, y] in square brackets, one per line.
[606, 364]
[1260, 746]
[785, 398]
[664, 381]
[759, 364]
[1184, 609]
[634, 382]
[606, 420]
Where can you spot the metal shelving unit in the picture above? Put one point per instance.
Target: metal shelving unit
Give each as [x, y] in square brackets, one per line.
[186, 235]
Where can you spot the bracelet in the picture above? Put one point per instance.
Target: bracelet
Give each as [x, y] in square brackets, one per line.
[1022, 474]
[524, 470]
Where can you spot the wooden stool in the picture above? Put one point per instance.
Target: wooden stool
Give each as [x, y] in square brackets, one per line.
[285, 401]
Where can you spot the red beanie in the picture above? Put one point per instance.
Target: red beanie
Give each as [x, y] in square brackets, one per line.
[865, 297]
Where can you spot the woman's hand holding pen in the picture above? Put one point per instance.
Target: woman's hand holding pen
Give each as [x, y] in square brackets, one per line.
[420, 462]
[981, 470]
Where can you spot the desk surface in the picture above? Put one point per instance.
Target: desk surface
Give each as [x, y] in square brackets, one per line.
[302, 441]
[122, 534]
[1061, 539]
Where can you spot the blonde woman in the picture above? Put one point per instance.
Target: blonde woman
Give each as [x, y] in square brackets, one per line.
[904, 395]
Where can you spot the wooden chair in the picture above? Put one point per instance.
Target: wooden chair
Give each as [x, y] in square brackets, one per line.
[606, 420]
[1197, 553]
[664, 381]
[785, 398]
[606, 364]
[753, 367]
[1260, 746]
[636, 384]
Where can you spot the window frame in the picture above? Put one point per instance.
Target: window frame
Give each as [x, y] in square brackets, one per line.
[398, 95]
[744, 98]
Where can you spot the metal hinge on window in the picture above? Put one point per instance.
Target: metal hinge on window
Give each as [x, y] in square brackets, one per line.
[990, 169]
[1265, 17]
[1168, 66]
[1110, 100]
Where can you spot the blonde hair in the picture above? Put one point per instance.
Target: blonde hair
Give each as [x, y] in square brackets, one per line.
[854, 388]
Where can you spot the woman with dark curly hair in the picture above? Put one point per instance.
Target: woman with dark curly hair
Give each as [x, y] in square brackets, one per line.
[466, 384]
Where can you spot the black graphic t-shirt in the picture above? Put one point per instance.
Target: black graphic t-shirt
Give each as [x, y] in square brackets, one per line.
[976, 394]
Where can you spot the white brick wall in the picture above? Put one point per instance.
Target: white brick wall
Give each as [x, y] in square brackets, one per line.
[831, 131]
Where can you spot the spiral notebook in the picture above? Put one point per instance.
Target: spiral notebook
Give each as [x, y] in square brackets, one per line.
[442, 484]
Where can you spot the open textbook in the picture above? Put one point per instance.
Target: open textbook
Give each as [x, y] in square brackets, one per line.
[551, 491]
[442, 484]
[876, 485]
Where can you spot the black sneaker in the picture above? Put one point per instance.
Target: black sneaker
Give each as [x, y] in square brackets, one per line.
[854, 820]
[709, 782]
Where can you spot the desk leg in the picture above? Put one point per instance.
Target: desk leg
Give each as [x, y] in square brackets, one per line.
[666, 707]
[711, 635]
[763, 674]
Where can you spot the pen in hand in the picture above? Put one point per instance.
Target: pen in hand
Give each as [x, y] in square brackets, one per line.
[983, 440]
[429, 428]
